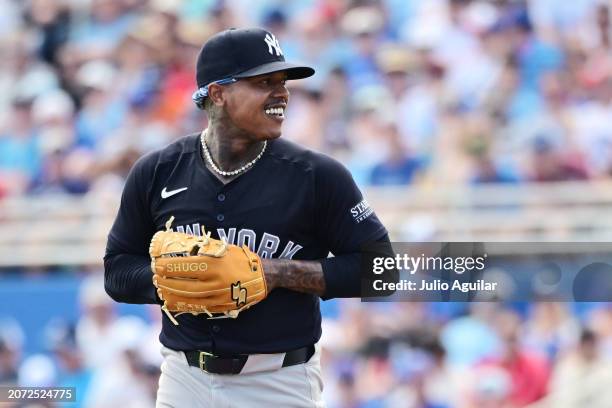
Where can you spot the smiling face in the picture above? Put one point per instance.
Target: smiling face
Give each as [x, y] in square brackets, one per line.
[255, 105]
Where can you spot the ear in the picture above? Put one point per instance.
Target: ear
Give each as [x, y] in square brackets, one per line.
[215, 93]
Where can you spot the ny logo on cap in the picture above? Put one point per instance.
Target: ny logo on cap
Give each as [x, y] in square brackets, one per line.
[273, 43]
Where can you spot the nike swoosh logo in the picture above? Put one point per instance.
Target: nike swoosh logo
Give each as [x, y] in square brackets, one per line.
[166, 194]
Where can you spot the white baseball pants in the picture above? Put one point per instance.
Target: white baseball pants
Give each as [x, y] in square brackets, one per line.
[298, 386]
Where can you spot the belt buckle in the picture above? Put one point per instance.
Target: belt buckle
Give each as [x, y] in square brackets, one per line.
[202, 361]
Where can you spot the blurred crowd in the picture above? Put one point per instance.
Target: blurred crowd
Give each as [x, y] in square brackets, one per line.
[406, 91]
[479, 355]
[375, 355]
[111, 360]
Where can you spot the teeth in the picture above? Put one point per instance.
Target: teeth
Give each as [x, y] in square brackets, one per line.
[275, 111]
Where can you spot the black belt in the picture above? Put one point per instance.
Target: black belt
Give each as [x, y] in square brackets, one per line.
[233, 365]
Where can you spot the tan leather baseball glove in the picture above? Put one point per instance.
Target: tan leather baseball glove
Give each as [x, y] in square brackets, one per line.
[204, 275]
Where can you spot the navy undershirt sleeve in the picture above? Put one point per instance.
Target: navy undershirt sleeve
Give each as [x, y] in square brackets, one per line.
[343, 274]
[127, 270]
[127, 279]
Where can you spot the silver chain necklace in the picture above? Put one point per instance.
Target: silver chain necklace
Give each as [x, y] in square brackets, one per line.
[217, 170]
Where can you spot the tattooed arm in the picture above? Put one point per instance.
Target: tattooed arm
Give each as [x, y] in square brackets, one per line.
[301, 276]
[335, 277]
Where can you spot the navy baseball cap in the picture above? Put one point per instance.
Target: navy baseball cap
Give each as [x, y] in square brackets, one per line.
[241, 53]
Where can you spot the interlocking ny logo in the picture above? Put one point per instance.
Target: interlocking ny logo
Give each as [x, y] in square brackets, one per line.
[239, 294]
[273, 43]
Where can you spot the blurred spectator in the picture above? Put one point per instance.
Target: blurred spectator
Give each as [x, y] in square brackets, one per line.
[398, 167]
[305, 122]
[95, 328]
[99, 114]
[336, 110]
[70, 364]
[11, 342]
[600, 322]
[20, 153]
[53, 19]
[484, 167]
[126, 379]
[364, 25]
[550, 163]
[371, 112]
[121, 357]
[469, 339]
[8, 364]
[582, 378]
[101, 28]
[550, 329]
[527, 371]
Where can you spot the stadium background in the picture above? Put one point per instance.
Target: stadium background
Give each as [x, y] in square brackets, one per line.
[462, 120]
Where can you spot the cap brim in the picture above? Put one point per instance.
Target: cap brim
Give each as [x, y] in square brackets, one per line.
[293, 71]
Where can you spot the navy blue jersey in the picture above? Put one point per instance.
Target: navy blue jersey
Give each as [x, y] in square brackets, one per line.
[294, 204]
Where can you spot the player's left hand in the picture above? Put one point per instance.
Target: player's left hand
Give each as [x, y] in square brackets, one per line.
[204, 275]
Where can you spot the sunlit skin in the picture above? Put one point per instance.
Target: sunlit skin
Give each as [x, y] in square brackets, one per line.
[240, 123]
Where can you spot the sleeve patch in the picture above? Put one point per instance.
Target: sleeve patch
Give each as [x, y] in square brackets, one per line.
[361, 211]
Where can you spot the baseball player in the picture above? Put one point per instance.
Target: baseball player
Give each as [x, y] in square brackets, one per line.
[236, 204]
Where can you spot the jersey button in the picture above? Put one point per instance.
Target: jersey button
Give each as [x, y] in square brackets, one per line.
[216, 328]
[220, 217]
[221, 197]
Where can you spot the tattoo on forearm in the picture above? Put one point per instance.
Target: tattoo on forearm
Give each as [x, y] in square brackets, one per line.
[301, 276]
